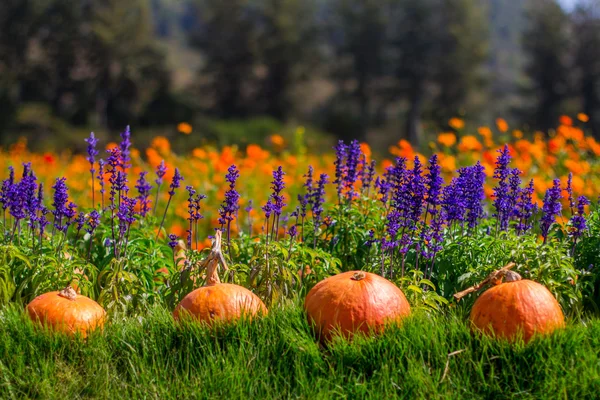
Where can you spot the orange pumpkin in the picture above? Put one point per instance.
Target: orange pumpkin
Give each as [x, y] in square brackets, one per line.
[66, 311]
[218, 301]
[517, 306]
[354, 301]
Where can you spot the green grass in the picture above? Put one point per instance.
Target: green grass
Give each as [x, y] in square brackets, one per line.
[277, 357]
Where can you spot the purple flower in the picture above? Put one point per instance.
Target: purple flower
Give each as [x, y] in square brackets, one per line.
[60, 200]
[277, 198]
[524, 209]
[578, 221]
[126, 215]
[191, 213]
[570, 193]
[230, 205]
[175, 182]
[384, 187]
[293, 231]
[143, 187]
[91, 151]
[173, 239]
[80, 220]
[125, 146]
[100, 177]
[551, 208]
[367, 175]
[340, 167]
[319, 199]
[453, 202]
[352, 171]
[471, 180]
[417, 189]
[307, 198]
[6, 189]
[93, 222]
[161, 170]
[434, 183]
[501, 192]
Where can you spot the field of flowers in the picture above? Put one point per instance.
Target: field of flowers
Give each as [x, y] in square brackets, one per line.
[132, 229]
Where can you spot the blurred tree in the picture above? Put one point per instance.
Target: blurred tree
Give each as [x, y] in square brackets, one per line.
[19, 22]
[546, 43]
[586, 35]
[287, 49]
[358, 36]
[226, 35]
[130, 69]
[463, 52]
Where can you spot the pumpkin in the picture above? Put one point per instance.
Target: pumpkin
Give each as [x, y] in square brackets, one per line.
[517, 307]
[352, 302]
[66, 311]
[218, 301]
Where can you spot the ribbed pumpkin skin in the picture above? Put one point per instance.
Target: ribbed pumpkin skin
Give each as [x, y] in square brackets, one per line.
[69, 316]
[346, 305]
[222, 301]
[511, 307]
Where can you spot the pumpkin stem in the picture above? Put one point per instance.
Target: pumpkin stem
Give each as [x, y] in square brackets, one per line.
[68, 293]
[213, 260]
[491, 278]
[358, 276]
[512, 276]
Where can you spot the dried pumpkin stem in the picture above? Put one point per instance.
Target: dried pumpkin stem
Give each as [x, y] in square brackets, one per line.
[213, 260]
[68, 293]
[494, 276]
[358, 276]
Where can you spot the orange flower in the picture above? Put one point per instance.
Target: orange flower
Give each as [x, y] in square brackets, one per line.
[501, 124]
[456, 123]
[111, 145]
[447, 139]
[565, 120]
[366, 149]
[161, 144]
[447, 163]
[469, 143]
[517, 134]
[184, 128]
[277, 140]
[583, 117]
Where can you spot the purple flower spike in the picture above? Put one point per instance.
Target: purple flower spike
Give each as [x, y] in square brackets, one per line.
[91, 150]
[143, 187]
[161, 170]
[176, 182]
[551, 208]
[578, 221]
[125, 146]
[173, 239]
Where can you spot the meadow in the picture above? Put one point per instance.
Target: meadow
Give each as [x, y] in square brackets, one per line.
[130, 228]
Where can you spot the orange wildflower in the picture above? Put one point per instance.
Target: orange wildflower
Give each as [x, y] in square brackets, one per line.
[565, 120]
[501, 124]
[456, 123]
[583, 117]
[277, 140]
[184, 128]
[517, 134]
[469, 143]
[447, 139]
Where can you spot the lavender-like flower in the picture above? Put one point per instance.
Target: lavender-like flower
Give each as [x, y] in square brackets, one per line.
[143, 187]
[318, 200]
[434, 183]
[367, 176]
[501, 192]
[277, 197]
[471, 179]
[91, 157]
[578, 222]
[60, 200]
[125, 146]
[341, 152]
[93, 222]
[230, 206]
[352, 171]
[524, 209]
[161, 170]
[173, 239]
[100, 177]
[551, 208]
[175, 184]
[307, 199]
[453, 202]
[191, 213]
[570, 193]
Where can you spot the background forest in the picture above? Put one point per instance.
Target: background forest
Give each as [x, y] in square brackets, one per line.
[239, 70]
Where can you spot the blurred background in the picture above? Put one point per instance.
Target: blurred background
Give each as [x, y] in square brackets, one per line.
[237, 71]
